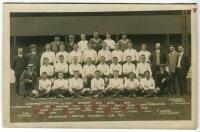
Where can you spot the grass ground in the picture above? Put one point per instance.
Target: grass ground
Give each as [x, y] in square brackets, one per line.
[102, 109]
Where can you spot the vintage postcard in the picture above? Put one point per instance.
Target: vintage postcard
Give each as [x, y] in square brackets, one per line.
[100, 65]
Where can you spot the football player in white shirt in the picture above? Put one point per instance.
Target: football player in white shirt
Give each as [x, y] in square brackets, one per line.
[76, 52]
[76, 85]
[49, 69]
[115, 66]
[75, 66]
[97, 85]
[61, 66]
[131, 85]
[104, 70]
[83, 43]
[103, 67]
[105, 52]
[147, 86]
[88, 72]
[142, 67]
[128, 67]
[110, 43]
[48, 54]
[115, 87]
[62, 52]
[131, 52]
[60, 87]
[44, 87]
[90, 52]
[144, 52]
[117, 53]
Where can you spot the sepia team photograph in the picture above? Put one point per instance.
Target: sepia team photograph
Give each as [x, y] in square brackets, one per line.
[96, 63]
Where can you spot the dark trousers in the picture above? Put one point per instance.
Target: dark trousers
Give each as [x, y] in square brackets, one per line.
[62, 92]
[17, 76]
[173, 85]
[42, 94]
[155, 69]
[97, 92]
[114, 92]
[149, 92]
[182, 83]
[164, 87]
[25, 89]
[128, 92]
[76, 92]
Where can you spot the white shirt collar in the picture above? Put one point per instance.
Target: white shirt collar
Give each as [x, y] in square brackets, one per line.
[20, 55]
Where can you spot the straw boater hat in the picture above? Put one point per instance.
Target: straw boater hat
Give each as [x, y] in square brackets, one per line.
[30, 65]
[124, 33]
[71, 36]
[33, 46]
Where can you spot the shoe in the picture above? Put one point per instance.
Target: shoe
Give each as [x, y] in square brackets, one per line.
[79, 96]
[155, 96]
[146, 96]
[96, 96]
[134, 96]
[61, 96]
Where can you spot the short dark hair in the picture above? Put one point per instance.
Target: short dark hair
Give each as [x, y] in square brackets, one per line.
[44, 73]
[115, 57]
[97, 71]
[147, 72]
[61, 56]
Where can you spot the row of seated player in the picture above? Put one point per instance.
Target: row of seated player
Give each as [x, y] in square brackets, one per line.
[116, 87]
[89, 68]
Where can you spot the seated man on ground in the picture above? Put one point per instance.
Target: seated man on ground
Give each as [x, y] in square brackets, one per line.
[97, 85]
[131, 86]
[115, 87]
[44, 87]
[60, 87]
[147, 86]
[76, 85]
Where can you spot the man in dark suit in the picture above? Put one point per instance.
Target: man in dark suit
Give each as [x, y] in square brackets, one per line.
[162, 80]
[28, 81]
[34, 58]
[71, 43]
[96, 41]
[181, 70]
[19, 64]
[157, 58]
[55, 45]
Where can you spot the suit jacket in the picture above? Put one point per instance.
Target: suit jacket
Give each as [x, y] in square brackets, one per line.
[25, 75]
[163, 58]
[185, 64]
[123, 44]
[69, 46]
[33, 59]
[19, 64]
[160, 76]
[55, 47]
[96, 43]
[172, 60]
